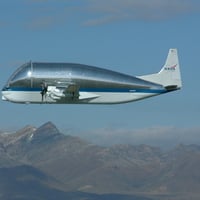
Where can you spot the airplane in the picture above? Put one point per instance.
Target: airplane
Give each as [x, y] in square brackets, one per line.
[70, 83]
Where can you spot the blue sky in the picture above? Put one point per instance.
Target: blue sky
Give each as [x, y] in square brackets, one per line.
[130, 36]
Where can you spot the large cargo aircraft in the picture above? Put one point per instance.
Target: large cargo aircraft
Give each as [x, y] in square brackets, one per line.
[69, 83]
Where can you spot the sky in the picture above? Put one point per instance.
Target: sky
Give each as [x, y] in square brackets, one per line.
[129, 36]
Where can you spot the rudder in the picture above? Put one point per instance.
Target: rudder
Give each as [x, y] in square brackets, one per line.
[170, 73]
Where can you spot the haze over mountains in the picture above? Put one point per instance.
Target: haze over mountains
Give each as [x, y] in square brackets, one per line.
[42, 163]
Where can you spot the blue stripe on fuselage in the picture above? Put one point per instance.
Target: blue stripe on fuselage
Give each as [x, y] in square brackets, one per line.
[22, 89]
[122, 90]
[114, 90]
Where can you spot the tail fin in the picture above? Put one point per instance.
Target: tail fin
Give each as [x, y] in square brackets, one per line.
[169, 76]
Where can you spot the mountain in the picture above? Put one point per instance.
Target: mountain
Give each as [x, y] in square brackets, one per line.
[55, 163]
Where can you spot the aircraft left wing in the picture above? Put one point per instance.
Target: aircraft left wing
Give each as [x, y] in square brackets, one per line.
[70, 90]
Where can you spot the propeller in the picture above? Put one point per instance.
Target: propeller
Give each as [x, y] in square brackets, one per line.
[44, 90]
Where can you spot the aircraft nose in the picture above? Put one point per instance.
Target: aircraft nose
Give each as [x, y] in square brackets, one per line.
[3, 98]
[3, 92]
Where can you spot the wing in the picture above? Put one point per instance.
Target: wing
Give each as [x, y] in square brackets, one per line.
[66, 90]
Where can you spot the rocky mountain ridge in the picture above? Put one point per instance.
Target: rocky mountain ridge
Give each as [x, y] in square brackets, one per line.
[66, 163]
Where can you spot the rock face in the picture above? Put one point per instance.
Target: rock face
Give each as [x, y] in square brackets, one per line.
[55, 163]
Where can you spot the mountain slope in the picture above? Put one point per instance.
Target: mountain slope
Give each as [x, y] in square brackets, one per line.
[71, 164]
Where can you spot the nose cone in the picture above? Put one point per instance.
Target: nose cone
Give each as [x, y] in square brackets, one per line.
[4, 98]
[4, 94]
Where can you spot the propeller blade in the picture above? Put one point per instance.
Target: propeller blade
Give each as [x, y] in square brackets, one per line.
[44, 90]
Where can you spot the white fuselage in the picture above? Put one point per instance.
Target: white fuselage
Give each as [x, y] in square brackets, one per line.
[84, 97]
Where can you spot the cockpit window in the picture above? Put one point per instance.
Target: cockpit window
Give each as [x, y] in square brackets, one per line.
[23, 73]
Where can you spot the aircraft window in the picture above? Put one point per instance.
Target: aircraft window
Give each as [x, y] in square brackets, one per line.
[22, 73]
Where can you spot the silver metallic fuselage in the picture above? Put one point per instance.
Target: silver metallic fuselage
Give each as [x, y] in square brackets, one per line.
[90, 85]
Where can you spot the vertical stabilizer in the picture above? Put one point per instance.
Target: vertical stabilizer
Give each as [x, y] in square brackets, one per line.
[169, 76]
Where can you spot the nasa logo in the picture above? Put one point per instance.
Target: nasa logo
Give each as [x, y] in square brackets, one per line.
[172, 68]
